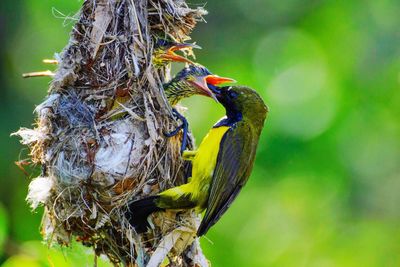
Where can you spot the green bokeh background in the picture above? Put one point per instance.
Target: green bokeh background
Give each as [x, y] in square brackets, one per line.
[325, 187]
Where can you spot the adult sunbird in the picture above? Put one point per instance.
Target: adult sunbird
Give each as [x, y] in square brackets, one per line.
[221, 165]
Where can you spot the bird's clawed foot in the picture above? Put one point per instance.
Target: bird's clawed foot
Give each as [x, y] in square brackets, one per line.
[184, 126]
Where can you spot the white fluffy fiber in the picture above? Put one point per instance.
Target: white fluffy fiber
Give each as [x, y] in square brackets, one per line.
[48, 103]
[29, 136]
[113, 156]
[39, 191]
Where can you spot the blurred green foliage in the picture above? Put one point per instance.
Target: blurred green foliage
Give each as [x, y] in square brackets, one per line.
[325, 188]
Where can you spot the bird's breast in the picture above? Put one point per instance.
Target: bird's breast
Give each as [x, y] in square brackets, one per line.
[205, 160]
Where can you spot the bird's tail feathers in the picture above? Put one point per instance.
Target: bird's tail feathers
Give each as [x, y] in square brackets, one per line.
[139, 210]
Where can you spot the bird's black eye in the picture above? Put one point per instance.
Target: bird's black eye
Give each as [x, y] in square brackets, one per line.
[232, 94]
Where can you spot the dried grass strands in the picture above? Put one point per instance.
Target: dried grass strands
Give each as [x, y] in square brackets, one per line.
[96, 160]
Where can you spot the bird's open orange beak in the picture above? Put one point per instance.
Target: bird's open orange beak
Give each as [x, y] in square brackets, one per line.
[172, 56]
[202, 81]
[216, 80]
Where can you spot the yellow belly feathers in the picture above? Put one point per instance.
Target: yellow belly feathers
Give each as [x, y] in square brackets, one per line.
[204, 161]
[204, 164]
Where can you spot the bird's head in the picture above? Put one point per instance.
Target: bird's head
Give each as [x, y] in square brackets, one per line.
[241, 101]
[192, 80]
[164, 52]
[200, 79]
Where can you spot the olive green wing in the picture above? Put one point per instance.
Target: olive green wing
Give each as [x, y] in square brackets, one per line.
[234, 163]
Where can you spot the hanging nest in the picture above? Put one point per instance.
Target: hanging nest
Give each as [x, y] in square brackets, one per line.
[99, 135]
